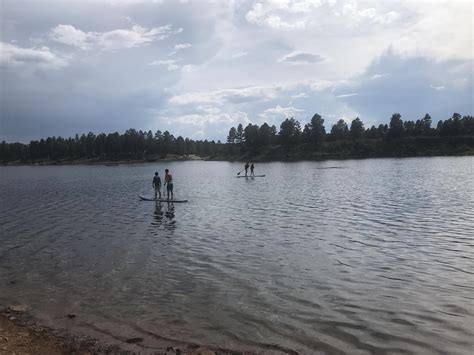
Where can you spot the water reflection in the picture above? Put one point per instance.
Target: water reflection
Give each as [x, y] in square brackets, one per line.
[164, 216]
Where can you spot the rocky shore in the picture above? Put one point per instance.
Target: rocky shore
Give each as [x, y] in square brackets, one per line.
[20, 334]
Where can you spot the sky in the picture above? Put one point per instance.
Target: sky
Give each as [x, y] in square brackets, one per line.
[197, 68]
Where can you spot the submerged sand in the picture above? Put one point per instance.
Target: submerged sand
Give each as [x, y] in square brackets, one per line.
[19, 334]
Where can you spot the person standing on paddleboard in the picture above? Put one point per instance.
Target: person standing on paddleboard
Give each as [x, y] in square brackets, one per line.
[251, 170]
[169, 183]
[246, 168]
[157, 184]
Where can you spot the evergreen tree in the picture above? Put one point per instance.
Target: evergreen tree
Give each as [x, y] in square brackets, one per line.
[396, 129]
[339, 130]
[315, 132]
[357, 128]
[290, 131]
[232, 135]
[240, 134]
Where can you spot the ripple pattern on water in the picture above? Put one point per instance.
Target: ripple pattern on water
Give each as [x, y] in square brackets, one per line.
[371, 256]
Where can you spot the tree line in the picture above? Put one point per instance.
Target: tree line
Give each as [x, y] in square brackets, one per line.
[291, 133]
[140, 145]
[133, 144]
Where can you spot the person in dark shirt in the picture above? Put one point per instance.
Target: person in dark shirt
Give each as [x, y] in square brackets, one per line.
[251, 170]
[246, 168]
[157, 185]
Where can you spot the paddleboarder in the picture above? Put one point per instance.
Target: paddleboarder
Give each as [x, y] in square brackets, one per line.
[246, 168]
[157, 184]
[251, 170]
[169, 183]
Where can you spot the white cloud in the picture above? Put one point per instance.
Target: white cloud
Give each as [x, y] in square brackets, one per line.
[301, 58]
[354, 15]
[282, 14]
[378, 76]
[301, 95]
[171, 64]
[136, 36]
[239, 55]
[219, 97]
[182, 46]
[211, 117]
[187, 68]
[34, 57]
[133, 2]
[438, 88]
[347, 95]
[281, 112]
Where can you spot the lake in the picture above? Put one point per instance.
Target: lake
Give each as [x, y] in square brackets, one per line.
[368, 256]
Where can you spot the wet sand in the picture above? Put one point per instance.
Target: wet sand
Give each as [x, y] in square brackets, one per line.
[19, 334]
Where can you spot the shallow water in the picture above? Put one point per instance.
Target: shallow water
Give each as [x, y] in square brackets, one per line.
[369, 256]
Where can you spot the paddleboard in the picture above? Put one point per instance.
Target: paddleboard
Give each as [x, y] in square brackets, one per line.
[143, 198]
[248, 176]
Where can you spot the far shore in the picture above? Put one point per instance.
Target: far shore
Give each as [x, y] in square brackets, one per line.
[107, 162]
[289, 157]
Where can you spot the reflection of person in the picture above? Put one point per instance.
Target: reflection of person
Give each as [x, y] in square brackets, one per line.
[246, 168]
[251, 170]
[157, 184]
[169, 183]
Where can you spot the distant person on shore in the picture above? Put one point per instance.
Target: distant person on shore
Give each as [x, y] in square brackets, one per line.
[169, 183]
[246, 168]
[251, 170]
[157, 184]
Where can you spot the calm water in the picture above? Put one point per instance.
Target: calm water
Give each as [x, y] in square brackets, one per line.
[371, 256]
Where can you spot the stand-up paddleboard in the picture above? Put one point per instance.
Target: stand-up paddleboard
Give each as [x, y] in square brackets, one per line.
[248, 176]
[143, 198]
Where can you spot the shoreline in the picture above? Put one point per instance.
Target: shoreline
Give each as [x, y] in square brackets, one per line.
[21, 333]
[290, 158]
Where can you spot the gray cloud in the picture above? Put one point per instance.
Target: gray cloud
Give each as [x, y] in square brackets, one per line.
[197, 68]
[301, 58]
[407, 88]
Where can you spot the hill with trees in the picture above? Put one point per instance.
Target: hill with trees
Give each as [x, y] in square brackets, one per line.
[454, 136]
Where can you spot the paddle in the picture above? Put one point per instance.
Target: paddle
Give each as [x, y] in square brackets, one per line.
[240, 171]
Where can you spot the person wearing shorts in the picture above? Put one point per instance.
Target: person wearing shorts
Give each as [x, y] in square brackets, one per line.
[169, 183]
[157, 184]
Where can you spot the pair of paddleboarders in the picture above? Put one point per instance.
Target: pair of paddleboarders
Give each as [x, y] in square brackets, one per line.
[168, 183]
[252, 167]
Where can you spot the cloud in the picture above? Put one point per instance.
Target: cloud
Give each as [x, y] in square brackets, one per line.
[239, 55]
[378, 76]
[409, 88]
[42, 57]
[207, 119]
[136, 36]
[219, 97]
[355, 16]
[301, 58]
[347, 95]
[182, 46]
[279, 112]
[282, 14]
[440, 87]
[301, 95]
[171, 64]
[133, 2]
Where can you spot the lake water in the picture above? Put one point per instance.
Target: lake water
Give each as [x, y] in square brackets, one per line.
[369, 256]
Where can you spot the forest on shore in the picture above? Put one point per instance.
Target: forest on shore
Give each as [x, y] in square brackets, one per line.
[453, 136]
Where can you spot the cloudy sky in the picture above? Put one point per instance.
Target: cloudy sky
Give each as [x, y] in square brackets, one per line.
[197, 68]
